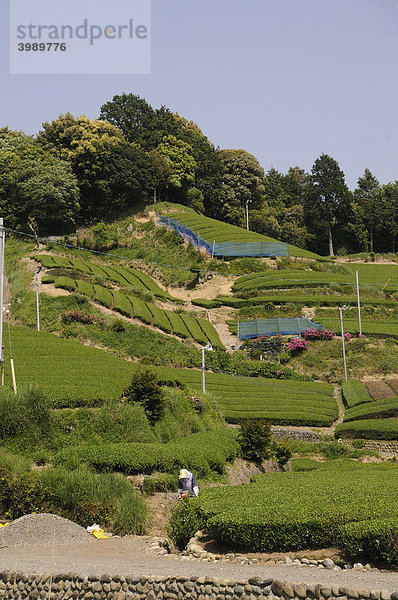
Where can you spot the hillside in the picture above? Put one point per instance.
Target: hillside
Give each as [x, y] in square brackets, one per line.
[106, 317]
[219, 231]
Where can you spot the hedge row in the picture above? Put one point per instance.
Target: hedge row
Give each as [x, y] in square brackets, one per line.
[213, 230]
[372, 540]
[318, 300]
[181, 325]
[354, 393]
[373, 410]
[271, 516]
[201, 453]
[122, 275]
[368, 429]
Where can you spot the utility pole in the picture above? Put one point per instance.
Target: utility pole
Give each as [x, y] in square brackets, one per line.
[247, 215]
[2, 242]
[359, 307]
[203, 348]
[37, 298]
[341, 308]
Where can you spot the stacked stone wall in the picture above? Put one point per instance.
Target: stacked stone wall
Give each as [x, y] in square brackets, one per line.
[16, 586]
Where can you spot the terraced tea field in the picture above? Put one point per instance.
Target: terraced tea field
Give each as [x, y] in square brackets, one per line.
[372, 410]
[127, 304]
[217, 231]
[316, 509]
[68, 370]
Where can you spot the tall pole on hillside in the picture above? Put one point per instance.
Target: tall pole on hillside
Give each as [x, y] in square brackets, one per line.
[341, 308]
[2, 242]
[359, 307]
[37, 298]
[247, 215]
[203, 348]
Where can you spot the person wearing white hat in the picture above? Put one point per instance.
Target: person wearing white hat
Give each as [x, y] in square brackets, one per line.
[187, 485]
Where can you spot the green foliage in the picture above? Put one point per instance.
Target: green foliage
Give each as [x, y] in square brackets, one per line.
[375, 541]
[378, 409]
[37, 190]
[270, 515]
[304, 464]
[255, 439]
[24, 414]
[85, 497]
[184, 522]
[65, 283]
[201, 453]
[218, 231]
[112, 174]
[145, 389]
[368, 429]
[282, 453]
[355, 393]
[159, 482]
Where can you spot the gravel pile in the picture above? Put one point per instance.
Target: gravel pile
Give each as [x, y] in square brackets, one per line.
[42, 530]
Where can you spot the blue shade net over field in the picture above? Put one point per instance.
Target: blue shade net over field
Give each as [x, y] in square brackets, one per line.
[276, 326]
[232, 249]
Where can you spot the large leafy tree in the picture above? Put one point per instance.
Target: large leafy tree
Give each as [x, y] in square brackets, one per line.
[113, 174]
[368, 197]
[281, 214]
[35, 186]
[389, 214]
[138, 121]
[178, 155]
[326, 198]
[209, 169]
[243, 182]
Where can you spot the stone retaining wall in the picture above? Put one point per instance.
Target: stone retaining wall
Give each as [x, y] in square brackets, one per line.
[391, 447]
[16, 586]
[305, 436]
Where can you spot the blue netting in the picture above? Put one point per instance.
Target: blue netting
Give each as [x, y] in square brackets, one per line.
[277, 326]
[226, 248]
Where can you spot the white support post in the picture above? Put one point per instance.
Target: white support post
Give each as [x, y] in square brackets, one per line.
[359, 307]
[203, 371]
[37, 298]
[2, 242]
[342, 339]
[247, 215]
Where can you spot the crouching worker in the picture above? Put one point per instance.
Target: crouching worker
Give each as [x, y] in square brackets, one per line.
[187, 486]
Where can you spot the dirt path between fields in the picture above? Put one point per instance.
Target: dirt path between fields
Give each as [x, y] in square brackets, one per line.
[129, 556]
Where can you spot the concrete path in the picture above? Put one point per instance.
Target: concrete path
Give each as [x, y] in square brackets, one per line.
[129, 556]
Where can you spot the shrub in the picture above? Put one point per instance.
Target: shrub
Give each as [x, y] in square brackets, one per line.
[72, 316]
[354, 393]
[184, 522]
[24, 414]
[66, 283]
[318, 334]
[297, 346]
[371, 540]
[145, 389]
[159, 482]
[255, 439]
[282, 453]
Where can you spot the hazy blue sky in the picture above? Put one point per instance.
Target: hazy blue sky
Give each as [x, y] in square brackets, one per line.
[283, 79]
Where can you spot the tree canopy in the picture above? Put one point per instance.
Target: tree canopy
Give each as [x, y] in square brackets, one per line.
[35, 186]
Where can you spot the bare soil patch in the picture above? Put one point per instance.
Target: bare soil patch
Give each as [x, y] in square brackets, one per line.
[379, 390]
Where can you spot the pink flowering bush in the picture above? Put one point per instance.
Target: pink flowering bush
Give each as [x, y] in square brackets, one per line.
[72, 316]
[347, 337]
[318, 334]
[298, 345]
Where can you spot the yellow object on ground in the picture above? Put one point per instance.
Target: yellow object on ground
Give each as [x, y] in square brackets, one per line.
[100, 534]
[3, 524]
